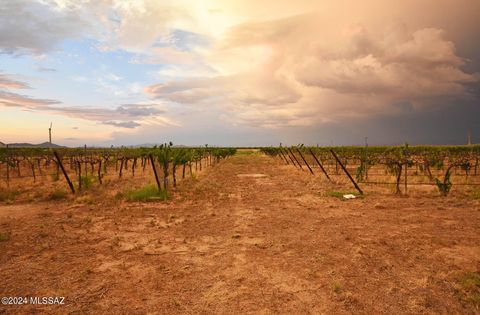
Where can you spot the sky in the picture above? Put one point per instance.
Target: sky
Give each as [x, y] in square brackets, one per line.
[240, 72]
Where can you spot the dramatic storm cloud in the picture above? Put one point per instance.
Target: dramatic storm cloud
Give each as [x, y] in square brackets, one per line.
[263, 72]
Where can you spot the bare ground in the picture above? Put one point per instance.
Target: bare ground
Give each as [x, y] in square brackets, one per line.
[230, 244]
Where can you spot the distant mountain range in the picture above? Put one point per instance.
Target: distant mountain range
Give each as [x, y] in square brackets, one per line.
[30, 145]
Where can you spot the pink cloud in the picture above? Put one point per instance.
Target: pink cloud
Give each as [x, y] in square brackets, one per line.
[7, 83]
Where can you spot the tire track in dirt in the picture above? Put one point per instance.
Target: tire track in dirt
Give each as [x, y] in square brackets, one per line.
[253, 276]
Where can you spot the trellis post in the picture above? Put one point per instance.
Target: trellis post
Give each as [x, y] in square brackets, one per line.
[59, 161]
[346, 172]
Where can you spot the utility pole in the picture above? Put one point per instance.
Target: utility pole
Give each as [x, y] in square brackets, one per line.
[50, 134]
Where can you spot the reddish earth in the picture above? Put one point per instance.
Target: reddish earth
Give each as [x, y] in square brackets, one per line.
[271, 240]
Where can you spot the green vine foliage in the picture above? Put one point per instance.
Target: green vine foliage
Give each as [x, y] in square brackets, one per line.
[360, 172]
[398, 159]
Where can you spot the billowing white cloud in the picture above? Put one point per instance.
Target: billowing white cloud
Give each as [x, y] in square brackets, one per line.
[142, 23]
[40, 26]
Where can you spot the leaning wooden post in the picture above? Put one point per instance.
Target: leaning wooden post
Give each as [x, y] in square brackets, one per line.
[295, 158]
[346, 172]
[283, 156]
[301, 155]
[155, 171]
[287, 154]
[59, 161]
[320, 164]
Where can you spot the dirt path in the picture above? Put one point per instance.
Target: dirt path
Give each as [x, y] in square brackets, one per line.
[267, 241]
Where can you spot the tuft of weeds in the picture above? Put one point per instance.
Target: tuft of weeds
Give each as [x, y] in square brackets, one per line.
[147, 193]
[57, 194]
[87, 220]
[119, 195]
[476, 194]
[84, 200]
[339, 194]
[337, 287]
[469, 287]
[4, 237]
[87, 181]
[55, 177]
[8, 195]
